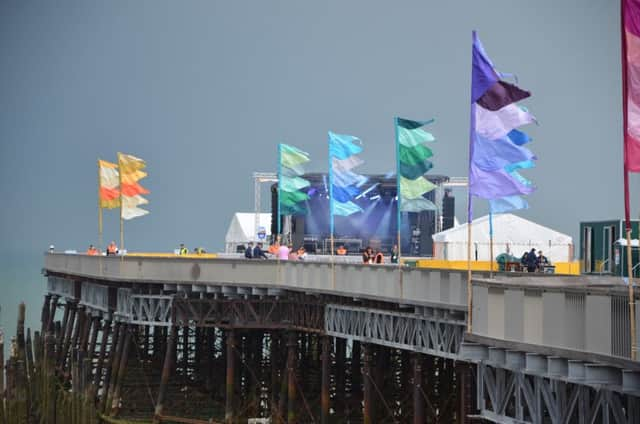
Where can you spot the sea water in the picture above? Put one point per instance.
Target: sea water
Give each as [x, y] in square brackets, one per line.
[21, 280]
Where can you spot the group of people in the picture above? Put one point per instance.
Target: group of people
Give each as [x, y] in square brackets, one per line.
[112, 249]
[279, 251]
[533, 262]
[182, 250]
[377, 257]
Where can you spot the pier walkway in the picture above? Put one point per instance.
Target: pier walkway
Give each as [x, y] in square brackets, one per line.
[543, 348]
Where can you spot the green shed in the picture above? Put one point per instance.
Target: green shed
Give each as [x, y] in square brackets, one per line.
[603, 247]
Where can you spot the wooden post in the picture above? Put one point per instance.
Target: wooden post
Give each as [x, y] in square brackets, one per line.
[2, 394]
[292, 344]
[231, 343]
[115, 341]
[63, 329]
[115, 399]
[341, 352]
[366, 376]
[52, 313]
[418, 401]
[62, 357]
[115, 366]
[97, 377]
[46, 310]
[324, 396]
[166, 371]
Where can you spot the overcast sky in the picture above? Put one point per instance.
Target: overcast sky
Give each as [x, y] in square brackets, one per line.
[204, 91]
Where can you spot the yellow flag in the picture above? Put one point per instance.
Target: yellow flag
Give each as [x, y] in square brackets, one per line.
[129, 163]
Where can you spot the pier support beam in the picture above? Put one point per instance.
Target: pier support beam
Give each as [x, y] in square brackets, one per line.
[324, 395]
[231, 346]
[292, 344]
[367, 380]
[418, 400]
[166, 371]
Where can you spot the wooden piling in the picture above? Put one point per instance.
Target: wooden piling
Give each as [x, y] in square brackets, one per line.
[115, 399]
[418, 400]
[109, 366]
[229, 413]
[324, 395]
[367, 386]
[115, 366]
[166, 371]
[292, 344]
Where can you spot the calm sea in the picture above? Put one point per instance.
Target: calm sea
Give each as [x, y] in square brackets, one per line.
[21, 280]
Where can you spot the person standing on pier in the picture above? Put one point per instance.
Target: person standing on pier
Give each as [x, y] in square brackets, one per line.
[283, 252]
[248, 252]
[258, 252]
[112, 248]
[183, 250]
[92, 251]
[532, 261]
[394, 254]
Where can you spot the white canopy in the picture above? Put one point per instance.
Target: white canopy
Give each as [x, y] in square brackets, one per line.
[242, 229]
[511, 234]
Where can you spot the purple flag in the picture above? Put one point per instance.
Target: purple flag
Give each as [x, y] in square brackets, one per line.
[494, 145]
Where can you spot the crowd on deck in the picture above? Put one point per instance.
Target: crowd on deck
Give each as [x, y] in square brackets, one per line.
[533, 262]
[277, 250]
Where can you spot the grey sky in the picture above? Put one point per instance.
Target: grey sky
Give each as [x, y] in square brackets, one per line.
[204, 91]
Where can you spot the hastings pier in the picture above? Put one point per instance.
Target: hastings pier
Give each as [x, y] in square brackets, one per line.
[187, 340]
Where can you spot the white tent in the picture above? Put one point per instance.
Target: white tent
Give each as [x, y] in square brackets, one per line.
[511, 234]
[242, 230]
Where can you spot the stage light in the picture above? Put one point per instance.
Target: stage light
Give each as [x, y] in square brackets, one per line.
[364, 193]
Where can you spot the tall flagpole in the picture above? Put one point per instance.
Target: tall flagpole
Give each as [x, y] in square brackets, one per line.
[121, 219]
[279, 187]
[490, 244]
[398, 194]
[99, 210]
[472, 128]
[331, 218]
[627, 213]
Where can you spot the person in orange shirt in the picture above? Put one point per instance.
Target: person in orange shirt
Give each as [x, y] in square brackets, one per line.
[341, 250]
[273, 248]
[92, 250]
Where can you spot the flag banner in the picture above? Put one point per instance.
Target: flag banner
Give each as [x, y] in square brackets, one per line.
[414, 171]
[345, 208]
[109, 189]
[417, 205]
[133, 212]
[631, 84]
[291, 198]
[507, 204]
[414, 189]
[497, 124]
[133, 189]
[348, 164]
[412, 163]
[130, 173]
[495, 144]
[343, 146]
[134, 201]
[130, 163]
[293, 183]
[501, 94]
[344, 183]
[132, 177]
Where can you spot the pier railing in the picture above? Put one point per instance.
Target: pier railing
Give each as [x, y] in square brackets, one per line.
[412, 286]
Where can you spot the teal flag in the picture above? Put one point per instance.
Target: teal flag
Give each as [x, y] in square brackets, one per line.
[291, 195]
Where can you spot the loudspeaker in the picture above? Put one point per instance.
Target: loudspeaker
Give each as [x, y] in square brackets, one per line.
[448, 210]
[297, 231]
